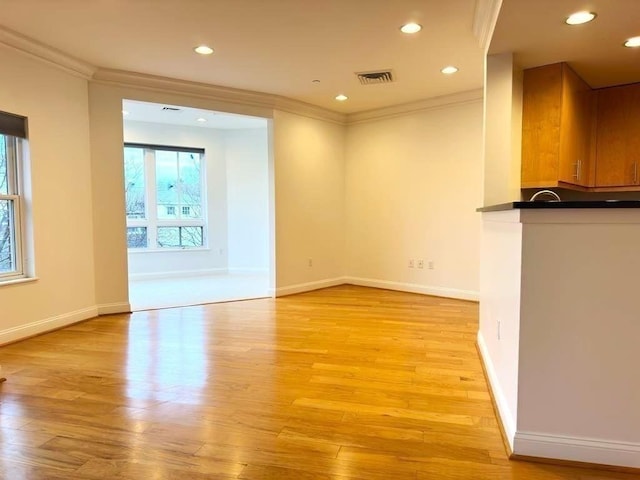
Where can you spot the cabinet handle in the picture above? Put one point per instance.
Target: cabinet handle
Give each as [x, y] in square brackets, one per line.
[635, 172]
[578, 168]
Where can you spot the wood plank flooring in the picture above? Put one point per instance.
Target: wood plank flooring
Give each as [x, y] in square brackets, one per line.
[339, 384]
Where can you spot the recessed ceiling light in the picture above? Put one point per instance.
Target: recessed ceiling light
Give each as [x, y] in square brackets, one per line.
[341, 97]
[449, 70]
[579, 18]
[201, 119]
[632, 42]
[125, 113]
[203, 50]
[411, 28]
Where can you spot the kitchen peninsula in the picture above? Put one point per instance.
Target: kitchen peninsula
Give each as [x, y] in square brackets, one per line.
[559, 296]
[559, 327]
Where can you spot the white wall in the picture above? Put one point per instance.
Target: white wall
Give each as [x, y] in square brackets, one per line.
[246, 154]
[502, 129]
[499, 332]
[214, 256]
[413, 184]
[501, 236]
[60, 203]
[309, 202]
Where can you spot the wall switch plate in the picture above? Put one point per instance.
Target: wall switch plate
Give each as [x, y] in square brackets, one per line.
[420, 263]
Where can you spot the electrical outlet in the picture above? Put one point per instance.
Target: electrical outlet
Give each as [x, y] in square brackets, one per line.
[310, 262]
[411, 263]
[431, 265]
[420, 263]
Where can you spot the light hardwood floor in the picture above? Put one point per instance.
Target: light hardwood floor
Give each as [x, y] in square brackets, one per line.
[343, 383]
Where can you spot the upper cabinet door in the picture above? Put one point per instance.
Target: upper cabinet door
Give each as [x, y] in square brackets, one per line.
[541, 104]
[618, 136]
[557, 122]
[576, 128]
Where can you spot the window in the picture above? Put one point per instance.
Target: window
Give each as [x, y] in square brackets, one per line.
[12, 131]
[164, 197]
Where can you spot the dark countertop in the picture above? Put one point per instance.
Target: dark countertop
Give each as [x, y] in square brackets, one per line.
[569, 204]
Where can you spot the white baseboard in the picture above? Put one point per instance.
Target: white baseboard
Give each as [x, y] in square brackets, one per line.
[177, 274]
[248, 270]
[111, 308]
[506, 416]
[415, 288]
[604, 452]
[41, 326]
[309, 286]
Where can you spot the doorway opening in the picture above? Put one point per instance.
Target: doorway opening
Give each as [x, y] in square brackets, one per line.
[197, 193]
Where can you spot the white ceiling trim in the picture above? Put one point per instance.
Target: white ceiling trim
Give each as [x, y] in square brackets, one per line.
[415, 107]
[485, 19]
[215, 93]
[43, 52]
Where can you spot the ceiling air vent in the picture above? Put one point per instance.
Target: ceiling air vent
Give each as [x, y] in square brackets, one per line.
[170, 109]
[369, 78]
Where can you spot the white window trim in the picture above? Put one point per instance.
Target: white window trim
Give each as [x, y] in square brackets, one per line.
[14, 174]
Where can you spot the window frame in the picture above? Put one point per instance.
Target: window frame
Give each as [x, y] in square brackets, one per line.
[15, 196]
[151, 220]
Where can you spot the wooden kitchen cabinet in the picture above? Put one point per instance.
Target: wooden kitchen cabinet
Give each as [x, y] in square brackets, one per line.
[558, 114]
[618, 137]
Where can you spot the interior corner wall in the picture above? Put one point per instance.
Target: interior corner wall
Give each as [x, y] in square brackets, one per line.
[413, 183]
[503, 126]
[309, 202]
[58, 198]
[213, 258]
[246, 152]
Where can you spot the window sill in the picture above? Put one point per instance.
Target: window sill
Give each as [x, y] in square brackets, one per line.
[167, 250]
[17, 281]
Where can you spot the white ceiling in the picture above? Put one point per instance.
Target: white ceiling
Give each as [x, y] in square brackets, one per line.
[535, 31]
[281, 46]
[187, 116]
[272, 46]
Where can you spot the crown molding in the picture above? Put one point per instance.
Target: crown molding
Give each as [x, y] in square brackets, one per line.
[415, 107]
[45, 53]
[236, 96]
[213, 92]
[484, 21]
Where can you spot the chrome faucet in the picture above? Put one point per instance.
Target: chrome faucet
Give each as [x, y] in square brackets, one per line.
[556, 197]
